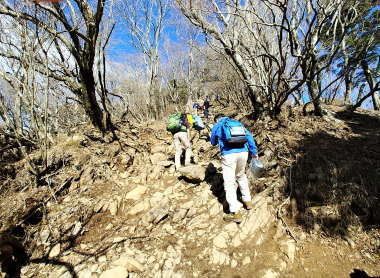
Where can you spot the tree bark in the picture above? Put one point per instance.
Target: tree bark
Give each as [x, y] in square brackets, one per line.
[348, 91]
[87, 95]
[314, 96]
[18, 116]
[372, 84]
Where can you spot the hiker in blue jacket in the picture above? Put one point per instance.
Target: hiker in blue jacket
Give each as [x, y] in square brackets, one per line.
[234, 161]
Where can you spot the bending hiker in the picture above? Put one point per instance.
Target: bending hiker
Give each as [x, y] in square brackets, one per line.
[235, 142]
[178, 125]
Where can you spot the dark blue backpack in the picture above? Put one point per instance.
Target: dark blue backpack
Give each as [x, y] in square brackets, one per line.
[233, 133]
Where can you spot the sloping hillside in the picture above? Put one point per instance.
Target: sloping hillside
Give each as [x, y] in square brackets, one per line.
[117, 208]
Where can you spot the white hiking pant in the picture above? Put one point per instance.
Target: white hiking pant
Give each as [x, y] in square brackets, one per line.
[233, 166]
[181, 141]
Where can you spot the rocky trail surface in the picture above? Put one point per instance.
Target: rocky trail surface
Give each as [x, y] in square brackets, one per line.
[113, 209]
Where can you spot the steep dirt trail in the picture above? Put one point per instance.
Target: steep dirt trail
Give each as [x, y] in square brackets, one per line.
[149, 222]
[127, 213]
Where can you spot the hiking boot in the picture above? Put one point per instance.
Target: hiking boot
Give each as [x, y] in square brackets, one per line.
[248, 205]
[233, 217]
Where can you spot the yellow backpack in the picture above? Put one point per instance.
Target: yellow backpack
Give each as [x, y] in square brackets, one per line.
[190, 119]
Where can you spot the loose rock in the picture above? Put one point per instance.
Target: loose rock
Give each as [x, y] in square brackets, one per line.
[117, 272]
[193, 173]
[54, 252]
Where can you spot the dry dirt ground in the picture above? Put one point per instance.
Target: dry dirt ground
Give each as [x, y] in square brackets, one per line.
[106, 208]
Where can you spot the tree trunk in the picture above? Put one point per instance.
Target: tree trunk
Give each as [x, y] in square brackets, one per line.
[87, 95]
[17, 116]
[371, 83]
[348, 92]
[309, 69]
[314, 96]
[247, 78]
[360, 93]
[347, 76]
[376, 101]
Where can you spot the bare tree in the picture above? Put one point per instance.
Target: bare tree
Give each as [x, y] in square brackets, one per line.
[185, 62]
[274, 45]
[373, 84]
[145, 22]
[73, 28]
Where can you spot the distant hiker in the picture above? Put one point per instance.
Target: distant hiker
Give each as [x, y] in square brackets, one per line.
[235, 142]
[206, 106]
[196, 107]
[178, 125]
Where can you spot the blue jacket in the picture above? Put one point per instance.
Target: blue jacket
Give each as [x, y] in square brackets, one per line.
[216, 138]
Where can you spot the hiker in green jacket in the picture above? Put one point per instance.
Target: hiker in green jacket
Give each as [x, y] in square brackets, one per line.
[181, 137]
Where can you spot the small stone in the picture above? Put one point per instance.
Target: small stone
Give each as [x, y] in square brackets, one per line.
[117, 272]
[220, 241]
[160, 216]
[44, 236]
[86, 273]
[158, 149]
[140, 207]
[118, 239]
[236, 242]
[67, 274]
[302, 236]
[57, 272]
[102, 259]
[289, 249]
[270, 274]
[179, 215]
[113, 207]
[215, 209]
[260, 239]
[157, 158]
[219, 257]
[129, 263]
[191, 212]
[246, 260]
[55, 251]
[282, 265]
[77, 228]
[349, 241]
[98, 207]
[316, 227]
[136, 193]
[231, 228]
[165, 163]
[188, 204]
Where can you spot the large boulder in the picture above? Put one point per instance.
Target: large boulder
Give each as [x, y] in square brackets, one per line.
[193, 173]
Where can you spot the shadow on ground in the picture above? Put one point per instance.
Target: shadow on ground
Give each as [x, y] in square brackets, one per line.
[357, 273]
[335, 181]
[15, 250]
